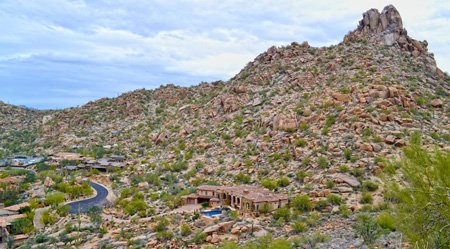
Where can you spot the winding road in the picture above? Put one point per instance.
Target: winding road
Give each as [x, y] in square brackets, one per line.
[99, 200]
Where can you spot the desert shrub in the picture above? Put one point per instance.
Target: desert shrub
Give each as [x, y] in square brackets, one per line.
[302, 203]
[348, 154]
[185, 230]
[367, 228]
[283, 182]
[241, 178]
[344, 168]
[301, 174]
[283, 212]
[344, 210]
[269, 183]
[19, 225]
[313, 219]
[321, 204]
[199, 237]
[386, 221]
[334, 199]
[330, 184]
[323, 162]
[300, 142]
[366, 198]
[369, 186]
[54, 198]
[316, 238]
[298, 226]
[162, 225]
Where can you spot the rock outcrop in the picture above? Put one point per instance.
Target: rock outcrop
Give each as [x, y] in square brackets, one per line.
[386, 29]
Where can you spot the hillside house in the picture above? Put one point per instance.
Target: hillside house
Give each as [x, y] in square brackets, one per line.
[245, 198]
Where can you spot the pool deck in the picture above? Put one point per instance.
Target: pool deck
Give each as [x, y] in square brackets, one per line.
[187, 209]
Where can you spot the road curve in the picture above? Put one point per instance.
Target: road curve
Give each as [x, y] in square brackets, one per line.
[99, 200]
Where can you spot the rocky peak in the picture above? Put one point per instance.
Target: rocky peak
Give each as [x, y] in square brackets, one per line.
[386, 29]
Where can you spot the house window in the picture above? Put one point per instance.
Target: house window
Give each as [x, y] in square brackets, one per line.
[206, 193]
[201, 193]
[248, 206]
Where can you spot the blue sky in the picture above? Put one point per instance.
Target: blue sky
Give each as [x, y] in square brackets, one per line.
[64, 53]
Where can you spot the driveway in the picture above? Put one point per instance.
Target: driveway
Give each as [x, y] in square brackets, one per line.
[99, 200]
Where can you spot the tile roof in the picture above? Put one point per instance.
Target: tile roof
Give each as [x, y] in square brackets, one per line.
[17, 207]
[254, 193]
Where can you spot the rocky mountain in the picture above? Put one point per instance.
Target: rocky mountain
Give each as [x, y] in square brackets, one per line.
[378, 79]
[309, 114]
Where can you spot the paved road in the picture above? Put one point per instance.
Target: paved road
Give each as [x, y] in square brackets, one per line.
[99, 200]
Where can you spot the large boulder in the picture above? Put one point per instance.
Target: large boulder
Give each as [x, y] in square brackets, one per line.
[436, 103]
[221, 227]
[48, 183]
[350, 180]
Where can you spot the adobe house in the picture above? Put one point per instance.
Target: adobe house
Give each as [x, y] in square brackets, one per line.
[245, 198]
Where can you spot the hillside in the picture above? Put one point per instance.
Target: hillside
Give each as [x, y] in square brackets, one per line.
[305, 113]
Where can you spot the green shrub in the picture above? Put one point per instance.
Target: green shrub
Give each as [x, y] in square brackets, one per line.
[283, 182]
[321, 204]
[301, 175]
[269, 183]
[344, 210]
[325, 131]
[298, 226]
[366, 198]
[283, 212]
[367, 228]
[199, 237]
[300, 142]
[241, 178]
[304, 126]
[330, 184]
[369, 186]
[313, 219]
[323, 162]
[386, 221]
[344, 168]
[302, 203]
[348, 154]
[334, 199]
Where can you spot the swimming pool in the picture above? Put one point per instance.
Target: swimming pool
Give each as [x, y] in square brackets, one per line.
[211, 213]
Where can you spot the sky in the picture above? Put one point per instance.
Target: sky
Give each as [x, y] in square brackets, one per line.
[56, 54]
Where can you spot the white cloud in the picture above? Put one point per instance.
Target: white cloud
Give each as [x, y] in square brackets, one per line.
[100, 47]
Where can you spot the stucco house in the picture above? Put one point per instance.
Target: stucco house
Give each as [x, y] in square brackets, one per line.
[245, 198]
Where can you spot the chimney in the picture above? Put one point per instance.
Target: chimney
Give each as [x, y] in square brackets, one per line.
[245, 191]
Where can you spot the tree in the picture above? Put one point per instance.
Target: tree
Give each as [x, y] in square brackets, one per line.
[95, 215]
[54, 198]
[423, 195]
[18, 225]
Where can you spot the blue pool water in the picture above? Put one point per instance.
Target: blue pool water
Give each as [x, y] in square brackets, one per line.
[211, 213]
